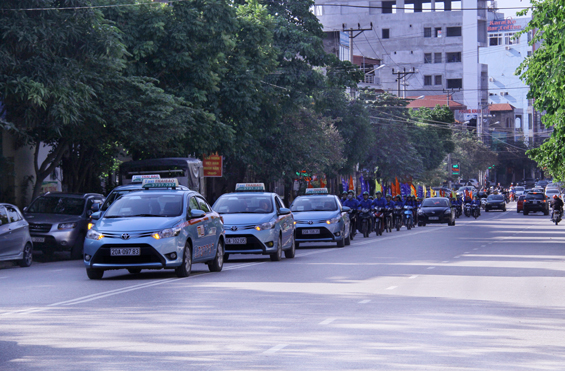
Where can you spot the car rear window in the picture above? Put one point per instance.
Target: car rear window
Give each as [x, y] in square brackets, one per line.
[535, 196]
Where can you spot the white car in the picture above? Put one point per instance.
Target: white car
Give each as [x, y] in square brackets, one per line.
[519, 190]
[550, 192]
[474, 182]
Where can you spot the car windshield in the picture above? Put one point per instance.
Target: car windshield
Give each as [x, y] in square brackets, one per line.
[316, 203]
[519, 188]
[146, 205]
[535, 196]
[431, 202]
[552, 191]
[114, 196]
[495, 198]
[244, 204]
[57, 205]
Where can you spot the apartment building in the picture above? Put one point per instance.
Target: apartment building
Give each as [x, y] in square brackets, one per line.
[511, 112]
[426, 47]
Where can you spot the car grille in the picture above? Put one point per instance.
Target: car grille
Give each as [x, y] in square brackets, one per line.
[239, 227]
[252, 243]
[308, 221]
[39, 228]
[148, 255]
[131, 235]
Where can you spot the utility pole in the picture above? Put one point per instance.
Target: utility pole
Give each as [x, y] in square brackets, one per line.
[352, 35]
[401, 75]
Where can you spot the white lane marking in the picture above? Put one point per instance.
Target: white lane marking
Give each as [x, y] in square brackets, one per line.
[364, 301]
[391, 287]
[239, 266]
[327, 321]
[275, 349]
[412, 277]
[445, 261]
[483, 245]
[316, 252]
[56, 270]
[396, 236]
[457, 257]
[466, 252]
[431, 267]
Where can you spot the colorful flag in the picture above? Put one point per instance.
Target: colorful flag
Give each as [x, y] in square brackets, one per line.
[368, 187]
[351, 188]
[432, 193]
[378, 187]
[420, 191]
[362, 181]
[425, 191]
[344, 184]
[397, 187]
[414, 191]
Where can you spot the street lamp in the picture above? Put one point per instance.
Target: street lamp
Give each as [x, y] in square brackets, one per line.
[375, 69]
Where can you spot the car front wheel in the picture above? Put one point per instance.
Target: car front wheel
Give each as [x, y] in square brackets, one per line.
[27, 259]
[277, 256]
[217, 264]
[186, 267]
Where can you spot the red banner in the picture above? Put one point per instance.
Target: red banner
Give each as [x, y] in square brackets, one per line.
[213, 166]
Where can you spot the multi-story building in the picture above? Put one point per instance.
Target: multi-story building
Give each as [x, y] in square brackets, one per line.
[511, 112]
[427, 47]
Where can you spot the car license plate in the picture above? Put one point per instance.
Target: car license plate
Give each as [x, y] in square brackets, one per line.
[310, 231]
[236, 241]
[434, 218]
[38, 239]
[125, 251]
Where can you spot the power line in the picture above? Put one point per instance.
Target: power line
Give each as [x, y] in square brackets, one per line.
[97, 6]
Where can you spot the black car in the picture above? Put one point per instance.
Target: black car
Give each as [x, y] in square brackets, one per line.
[534, 202]
[436, 210]
[495, 202]
[59, 221]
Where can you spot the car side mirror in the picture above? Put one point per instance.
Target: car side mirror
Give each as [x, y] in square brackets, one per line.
[95, 207]
[25, 208]
[345, 209]
[96, 215]
[284, 211]
[197, 213]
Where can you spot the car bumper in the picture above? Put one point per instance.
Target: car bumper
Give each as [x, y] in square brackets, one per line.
[429, 219]
[535, 208]
[328, 232]
[495, 206]
[258, 242]
[154, 254]
[57, 240]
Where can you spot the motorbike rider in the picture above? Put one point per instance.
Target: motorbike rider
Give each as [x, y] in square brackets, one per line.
[352, 203]
[556, 204]
[380, 202]
[364, 204]
[411, 201]
[343, 197]
[476, 202]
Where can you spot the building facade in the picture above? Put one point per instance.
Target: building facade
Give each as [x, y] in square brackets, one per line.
[427, 47]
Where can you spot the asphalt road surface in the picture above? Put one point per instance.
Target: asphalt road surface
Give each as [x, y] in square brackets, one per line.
[486, 294]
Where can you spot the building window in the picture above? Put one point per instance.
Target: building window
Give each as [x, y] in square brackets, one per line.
[529, 53]
[495, 39]
[427, 32]
[427, 57]
[437, 32]
[453, 57]
[318, 10]
[454, 83]
[387, 6]
[437, 57]
[511, 39]
[386, 33]
[453, 31]
[530, 121]
[438, 80]
[427, 80]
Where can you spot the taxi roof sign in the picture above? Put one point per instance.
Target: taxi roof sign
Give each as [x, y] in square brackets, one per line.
[160, 183]
[246, 187]
[316, 191]
[139, 178]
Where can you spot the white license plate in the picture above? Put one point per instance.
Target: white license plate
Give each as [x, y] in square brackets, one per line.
[434, 218]
[236, 241]
[125, 251]
[38, 239]
[310, 231]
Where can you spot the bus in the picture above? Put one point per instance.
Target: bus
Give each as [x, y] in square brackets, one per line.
[189, 171]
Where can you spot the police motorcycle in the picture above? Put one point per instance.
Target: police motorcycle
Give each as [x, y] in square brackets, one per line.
[379, 215]
[365, 221]
[397, 214]
[408, 217]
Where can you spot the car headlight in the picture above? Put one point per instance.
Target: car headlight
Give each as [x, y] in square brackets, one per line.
[166, 233]
[333, 220]
[448, 211]
[67, 225]
[265, 226]
[94, 235]
[420, 212]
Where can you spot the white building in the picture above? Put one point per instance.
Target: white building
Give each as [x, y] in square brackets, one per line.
[428, 47]
[512, 114]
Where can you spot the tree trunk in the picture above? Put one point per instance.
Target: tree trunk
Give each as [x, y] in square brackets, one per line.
[47, 166]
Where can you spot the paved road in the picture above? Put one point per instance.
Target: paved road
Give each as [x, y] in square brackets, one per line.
[486, 294]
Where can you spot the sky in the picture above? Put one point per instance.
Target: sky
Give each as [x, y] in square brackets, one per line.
[511, 4]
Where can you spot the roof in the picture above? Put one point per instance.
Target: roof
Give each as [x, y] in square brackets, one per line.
[430, 101]
[359, 60]
[500, 107]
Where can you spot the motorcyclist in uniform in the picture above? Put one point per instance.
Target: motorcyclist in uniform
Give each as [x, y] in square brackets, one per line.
[477, 202]
[380, 202]
[352, 203]
[343, 197]
[411, 201]
[556, 204]
[364, 204]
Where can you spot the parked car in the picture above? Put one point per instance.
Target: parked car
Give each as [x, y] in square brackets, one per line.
[59, 221]
[520, 203]
[15, 241]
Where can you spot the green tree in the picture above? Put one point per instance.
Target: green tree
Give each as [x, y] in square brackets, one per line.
[544, 74]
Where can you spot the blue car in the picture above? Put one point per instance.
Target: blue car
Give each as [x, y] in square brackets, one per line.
[159, 227]
[256, 222]
[320, 217]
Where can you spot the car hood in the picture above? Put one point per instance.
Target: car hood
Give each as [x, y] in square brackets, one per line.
[51, 218]
[495, 201]
[315, 215]
[434, 210]
[245, 219]
[136, 224]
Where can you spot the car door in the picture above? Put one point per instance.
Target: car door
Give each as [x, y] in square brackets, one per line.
[207, 248]
[284, 222]
[6, 242]
[18, 228]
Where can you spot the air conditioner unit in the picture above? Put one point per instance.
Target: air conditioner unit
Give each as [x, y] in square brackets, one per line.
[491, 79]
[507, 47]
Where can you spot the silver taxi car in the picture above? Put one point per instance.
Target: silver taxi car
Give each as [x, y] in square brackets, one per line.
[320, 217]
[256, 222]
